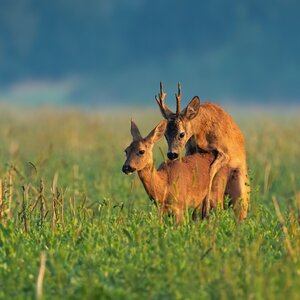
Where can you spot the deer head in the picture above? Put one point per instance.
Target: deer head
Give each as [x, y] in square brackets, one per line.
[179, 129]
[139, 152]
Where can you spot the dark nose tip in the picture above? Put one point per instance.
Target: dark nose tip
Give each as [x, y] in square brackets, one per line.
[128, 169]
[125, 169]
[172, 155]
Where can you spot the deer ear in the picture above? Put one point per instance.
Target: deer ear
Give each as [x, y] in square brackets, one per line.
[136, 135]
[192, 109]
[158, 132]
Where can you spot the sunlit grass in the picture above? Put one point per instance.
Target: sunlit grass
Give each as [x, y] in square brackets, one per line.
[63, 194]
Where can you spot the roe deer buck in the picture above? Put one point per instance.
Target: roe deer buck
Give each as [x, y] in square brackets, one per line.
[175, 185]
[206, 127]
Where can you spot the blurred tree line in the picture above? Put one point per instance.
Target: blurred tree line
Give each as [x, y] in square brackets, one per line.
[122, 49]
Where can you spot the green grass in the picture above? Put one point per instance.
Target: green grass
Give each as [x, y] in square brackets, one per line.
[100, 233]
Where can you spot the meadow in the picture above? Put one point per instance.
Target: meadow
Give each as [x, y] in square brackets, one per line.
[65, 202]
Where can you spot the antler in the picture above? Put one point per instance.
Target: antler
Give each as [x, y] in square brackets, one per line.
[178, 96]
[160, 99]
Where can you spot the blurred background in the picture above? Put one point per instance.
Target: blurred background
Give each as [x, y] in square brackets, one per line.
[115, 52]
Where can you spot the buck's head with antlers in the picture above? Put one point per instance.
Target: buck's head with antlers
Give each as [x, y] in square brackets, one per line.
[179, 128]
[139, 152]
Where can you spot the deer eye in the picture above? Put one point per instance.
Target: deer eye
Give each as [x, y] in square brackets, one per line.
[181, 135]
[141, 152]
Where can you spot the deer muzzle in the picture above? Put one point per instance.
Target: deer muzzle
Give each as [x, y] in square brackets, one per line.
[172, 155]
[127, 169]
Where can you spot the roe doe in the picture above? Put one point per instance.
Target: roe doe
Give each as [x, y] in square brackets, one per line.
[177, 184]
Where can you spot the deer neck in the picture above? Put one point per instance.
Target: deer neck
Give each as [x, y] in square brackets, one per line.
[153, 182]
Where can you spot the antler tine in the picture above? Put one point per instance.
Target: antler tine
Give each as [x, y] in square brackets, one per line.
[162, 94]
[160, 99]
[178, 96]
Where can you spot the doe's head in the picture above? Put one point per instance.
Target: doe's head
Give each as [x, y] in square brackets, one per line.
[179, 128]
[139, 152]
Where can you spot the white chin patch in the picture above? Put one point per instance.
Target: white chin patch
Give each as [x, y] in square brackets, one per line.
[130, 173]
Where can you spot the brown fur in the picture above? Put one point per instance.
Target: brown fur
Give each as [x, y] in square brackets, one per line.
[207, 127]
[175, 185]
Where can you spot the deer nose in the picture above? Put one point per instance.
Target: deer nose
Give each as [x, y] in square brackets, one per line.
[172, 155]
[127, 169]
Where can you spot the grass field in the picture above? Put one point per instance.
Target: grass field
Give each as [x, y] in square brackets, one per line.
[63, 197]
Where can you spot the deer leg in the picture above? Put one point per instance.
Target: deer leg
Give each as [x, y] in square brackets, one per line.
[239, 190]
[205, 210]
[179, 217]
[218, 188]
[220, 161]
[160, 213]
[196, 214]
